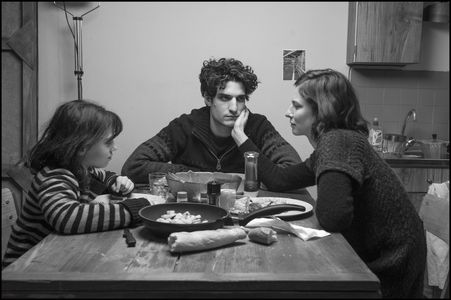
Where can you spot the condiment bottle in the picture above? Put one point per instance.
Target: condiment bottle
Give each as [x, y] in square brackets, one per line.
[375, 135]
[182, 196]
[251, 183]
[213, 192]
[204, 198]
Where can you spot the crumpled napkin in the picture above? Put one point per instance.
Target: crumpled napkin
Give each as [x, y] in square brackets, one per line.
[437, 249]
[279, 225]
[439, 189]
[437, 260]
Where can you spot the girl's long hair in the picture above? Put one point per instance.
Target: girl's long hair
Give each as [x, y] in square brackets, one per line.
[76, 125]
[333, 101]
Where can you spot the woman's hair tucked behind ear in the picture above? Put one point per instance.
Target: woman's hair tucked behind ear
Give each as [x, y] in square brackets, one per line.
[75, 127]
[333, 101]
[215, 74]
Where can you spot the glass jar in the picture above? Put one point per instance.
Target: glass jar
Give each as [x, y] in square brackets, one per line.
[251, 183]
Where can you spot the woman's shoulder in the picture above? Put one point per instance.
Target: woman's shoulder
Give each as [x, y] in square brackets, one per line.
[343, 143]
[342, 137]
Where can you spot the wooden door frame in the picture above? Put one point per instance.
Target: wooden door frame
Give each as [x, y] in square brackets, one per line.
[23, 43]
[29, 84]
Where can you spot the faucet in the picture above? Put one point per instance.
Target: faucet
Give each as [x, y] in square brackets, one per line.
[412, 113]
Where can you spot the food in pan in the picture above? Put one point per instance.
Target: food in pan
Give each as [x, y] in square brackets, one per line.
[245, 205]
[180, 218]
[241, 206]
[204, 239]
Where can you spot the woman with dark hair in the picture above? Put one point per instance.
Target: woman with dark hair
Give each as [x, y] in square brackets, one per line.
[67, 161]
[359, 195]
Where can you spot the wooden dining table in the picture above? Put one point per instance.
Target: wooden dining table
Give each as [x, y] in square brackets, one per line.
[101, 265]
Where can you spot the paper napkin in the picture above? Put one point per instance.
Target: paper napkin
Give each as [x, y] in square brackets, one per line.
[279, 225]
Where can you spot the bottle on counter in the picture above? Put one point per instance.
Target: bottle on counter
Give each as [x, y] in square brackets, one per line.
[375, 136]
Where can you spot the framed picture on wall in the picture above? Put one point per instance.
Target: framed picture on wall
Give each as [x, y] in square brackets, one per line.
[293, 64]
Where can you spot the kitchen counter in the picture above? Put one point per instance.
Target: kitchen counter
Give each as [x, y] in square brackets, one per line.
[409, 162]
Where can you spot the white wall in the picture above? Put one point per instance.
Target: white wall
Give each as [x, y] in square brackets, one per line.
[142, 60]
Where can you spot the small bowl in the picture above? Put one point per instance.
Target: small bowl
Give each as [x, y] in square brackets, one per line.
[195, 183]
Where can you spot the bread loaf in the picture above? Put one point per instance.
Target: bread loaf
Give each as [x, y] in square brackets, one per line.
[203, 239]
[263, 235]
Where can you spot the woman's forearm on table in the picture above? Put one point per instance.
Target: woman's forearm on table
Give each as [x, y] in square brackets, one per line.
[278, 178]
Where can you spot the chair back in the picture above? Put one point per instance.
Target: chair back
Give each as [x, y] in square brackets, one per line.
[22, 176]
[9, 216]
[434, 212]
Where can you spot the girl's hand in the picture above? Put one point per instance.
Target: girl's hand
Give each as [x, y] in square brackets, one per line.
[123, 185]
[238, 134]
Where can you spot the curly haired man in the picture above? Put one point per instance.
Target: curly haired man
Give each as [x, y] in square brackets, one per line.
[201, 140]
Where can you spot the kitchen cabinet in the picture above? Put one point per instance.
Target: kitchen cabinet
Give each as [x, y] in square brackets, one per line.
[384, 33]
[417, 181]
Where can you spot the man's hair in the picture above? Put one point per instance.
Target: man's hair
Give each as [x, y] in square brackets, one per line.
[333, 101]
[215, 74]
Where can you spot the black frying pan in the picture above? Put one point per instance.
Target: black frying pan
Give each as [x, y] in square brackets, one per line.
[217, 217]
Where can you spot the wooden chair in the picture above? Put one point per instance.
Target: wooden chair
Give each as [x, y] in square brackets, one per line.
[435, 215]
[9, 216]
[22, 176]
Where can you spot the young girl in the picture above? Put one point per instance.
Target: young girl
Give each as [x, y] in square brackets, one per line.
[77, 143]
[358, 193]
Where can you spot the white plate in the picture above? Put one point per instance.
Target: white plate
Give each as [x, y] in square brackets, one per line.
[278, 200]
[153, 199]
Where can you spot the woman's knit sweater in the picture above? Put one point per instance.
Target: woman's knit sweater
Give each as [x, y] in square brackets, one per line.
[366, 202]
[55, 203]
[187, 143]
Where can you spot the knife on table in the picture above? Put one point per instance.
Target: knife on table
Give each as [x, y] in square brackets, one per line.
[129, 238]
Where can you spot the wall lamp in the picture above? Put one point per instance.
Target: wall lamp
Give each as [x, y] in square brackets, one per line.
[77, 37]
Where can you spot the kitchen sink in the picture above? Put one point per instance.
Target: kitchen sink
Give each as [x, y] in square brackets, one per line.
[412, 154]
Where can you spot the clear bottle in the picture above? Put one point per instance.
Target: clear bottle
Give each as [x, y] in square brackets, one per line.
[251, 183]
[375, 136]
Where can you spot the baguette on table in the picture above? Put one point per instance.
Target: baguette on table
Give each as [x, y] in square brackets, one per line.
[263, 235]
[204, 239]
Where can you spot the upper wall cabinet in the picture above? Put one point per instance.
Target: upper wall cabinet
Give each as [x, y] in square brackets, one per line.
[384, 33]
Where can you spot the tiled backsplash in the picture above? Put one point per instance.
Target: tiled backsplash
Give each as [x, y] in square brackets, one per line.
[390, 94]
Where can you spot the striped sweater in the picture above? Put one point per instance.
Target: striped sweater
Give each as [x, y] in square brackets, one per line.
[55, 203]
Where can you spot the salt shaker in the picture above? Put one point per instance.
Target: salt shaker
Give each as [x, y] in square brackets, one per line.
[251, 183]
[182, 196]
[213, 192]
[204, 198]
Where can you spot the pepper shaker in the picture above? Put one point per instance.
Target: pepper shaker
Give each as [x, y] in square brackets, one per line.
[213, 192]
